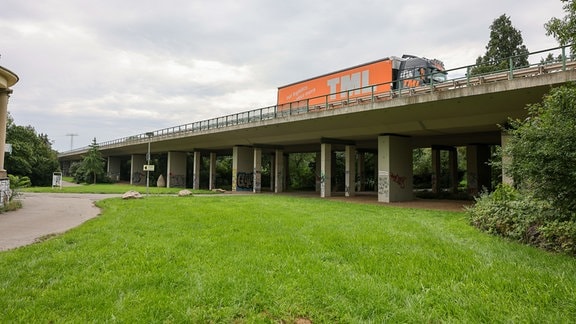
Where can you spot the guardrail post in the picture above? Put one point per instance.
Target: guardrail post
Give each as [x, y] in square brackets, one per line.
[511, 68]
[564, 58]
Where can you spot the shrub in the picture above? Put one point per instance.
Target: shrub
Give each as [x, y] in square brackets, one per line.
[520, 217]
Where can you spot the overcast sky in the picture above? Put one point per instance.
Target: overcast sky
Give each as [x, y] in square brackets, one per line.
[109, 69]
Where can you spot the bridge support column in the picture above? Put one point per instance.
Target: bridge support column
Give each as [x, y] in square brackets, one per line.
[242, 168]
[113, 168]
[478, 172]
[350, 171]
[318, 171]
[196, 165]
[361, 170]
[212, 173]
[257, 183]
[176, 170]
[394, 168]
[279, 171]
[325, 170]
[453, 166]
[137, 175]
[436, 170]
[506, 161]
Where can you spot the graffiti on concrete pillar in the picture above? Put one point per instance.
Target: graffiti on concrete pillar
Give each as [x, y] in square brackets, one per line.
[322, 184]
[244, 181]
[398, 179]
[138, 178]
[383, 184]
[177, 181]
[257, 180]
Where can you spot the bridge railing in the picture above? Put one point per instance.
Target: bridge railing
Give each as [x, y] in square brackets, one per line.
[466, 76]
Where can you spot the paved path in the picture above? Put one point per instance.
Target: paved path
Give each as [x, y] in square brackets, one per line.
[46, 213]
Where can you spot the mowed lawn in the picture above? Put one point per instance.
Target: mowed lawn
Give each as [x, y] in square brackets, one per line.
[266, 258]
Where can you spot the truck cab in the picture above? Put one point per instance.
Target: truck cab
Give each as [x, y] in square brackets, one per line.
[412, 71]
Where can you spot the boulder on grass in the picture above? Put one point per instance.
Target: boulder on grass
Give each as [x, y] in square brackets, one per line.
[184, 193]
[161, 182]
[131, 195]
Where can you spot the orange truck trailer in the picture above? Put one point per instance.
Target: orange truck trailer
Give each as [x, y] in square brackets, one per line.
[363, 80]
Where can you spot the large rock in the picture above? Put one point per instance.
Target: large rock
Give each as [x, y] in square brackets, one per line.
[161, 182]
[184, 193]
[131, 195]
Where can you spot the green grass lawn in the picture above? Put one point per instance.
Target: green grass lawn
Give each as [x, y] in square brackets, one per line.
[265, 258]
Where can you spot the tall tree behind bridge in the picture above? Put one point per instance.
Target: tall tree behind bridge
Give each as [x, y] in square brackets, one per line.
[564, 30]
[505, 41]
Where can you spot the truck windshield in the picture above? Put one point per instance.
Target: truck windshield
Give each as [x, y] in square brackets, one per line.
[438, 76]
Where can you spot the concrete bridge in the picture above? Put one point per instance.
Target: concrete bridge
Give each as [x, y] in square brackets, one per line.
[464, 111]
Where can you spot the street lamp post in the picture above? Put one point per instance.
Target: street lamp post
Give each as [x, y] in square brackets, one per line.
[149, 134]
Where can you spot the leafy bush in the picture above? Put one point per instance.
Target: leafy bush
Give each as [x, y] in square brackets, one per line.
[523, 218]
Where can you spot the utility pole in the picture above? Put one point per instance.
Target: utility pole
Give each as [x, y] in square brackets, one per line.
[71, 140]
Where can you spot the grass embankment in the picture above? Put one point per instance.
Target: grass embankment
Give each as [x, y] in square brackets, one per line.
[276, 258]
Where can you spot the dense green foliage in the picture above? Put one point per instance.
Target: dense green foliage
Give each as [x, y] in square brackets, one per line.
[521, 217]
[279, 259]
[564, 30]
[32, 155]
[542, 147]
[505, 41]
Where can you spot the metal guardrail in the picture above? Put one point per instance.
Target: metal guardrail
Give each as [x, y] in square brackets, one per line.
[463, 79]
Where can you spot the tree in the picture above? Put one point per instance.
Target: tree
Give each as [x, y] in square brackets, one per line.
[564, 30]
[32, 154]
[543, 149]
[93, 163]
[505, 41]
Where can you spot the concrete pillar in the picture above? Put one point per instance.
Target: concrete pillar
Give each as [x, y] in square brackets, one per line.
[137, 174]
[257, 170]
[436, 170]
[4, 94]
[212, 173]
[318, 171]
[325, 170]
[113, 168]
[394, 168]
[272, 172]
[176, 170]
[361, 170]
[453, 166]
[196, 168]
[285, 181]
[350, 171]
[242, 168]
[279, 171]
[478, 172]
[506, 161]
